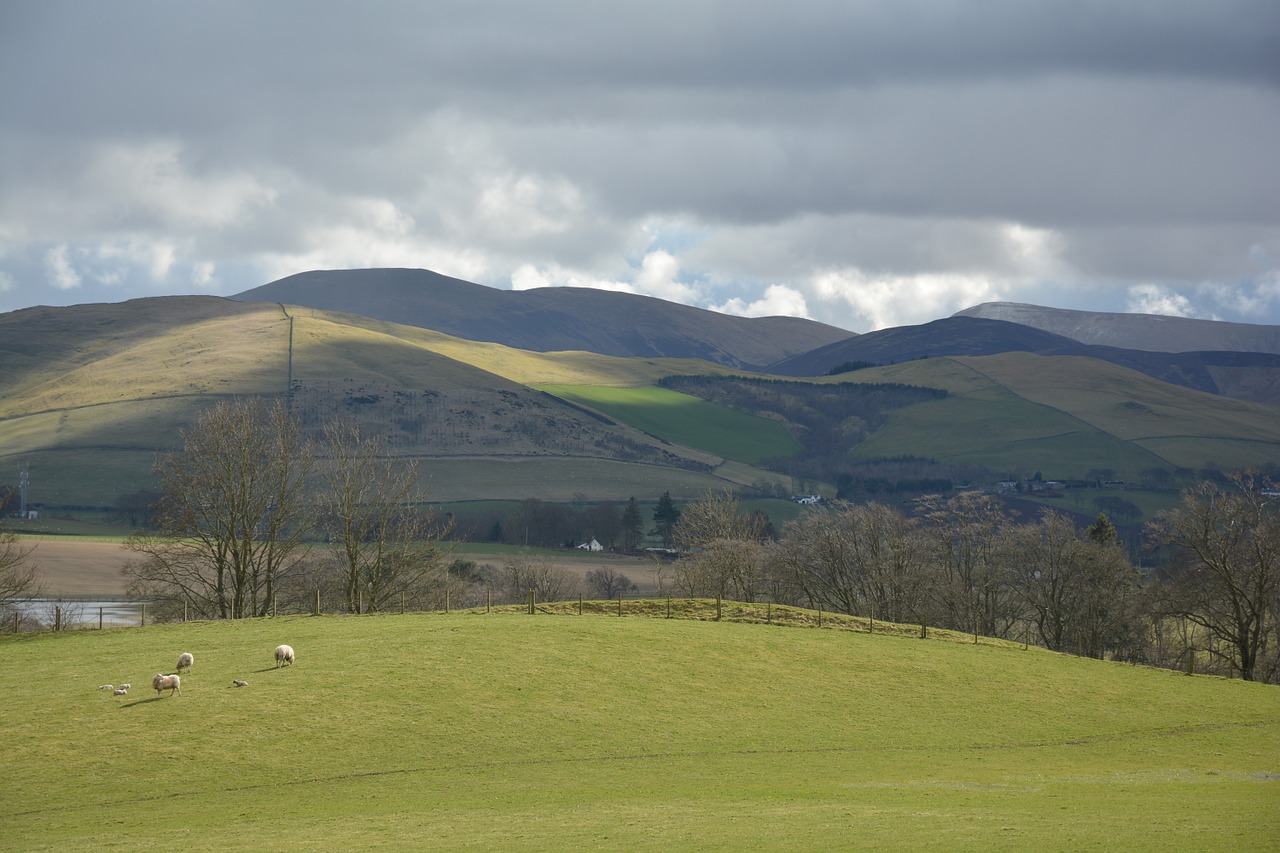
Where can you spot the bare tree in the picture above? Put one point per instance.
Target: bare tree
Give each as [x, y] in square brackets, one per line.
[608, 582]
[521, 573]
[385, 546]
[726, 556]
[966, 534]
[1077, 587]
[230, 524]
[19, 573]
[858, 559]
[1228, 538]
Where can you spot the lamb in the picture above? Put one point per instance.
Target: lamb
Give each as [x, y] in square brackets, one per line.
[238, 683]
[125, 686]
[172, 683]
[120, 691]
[284, 655]
[106, 687]
[185, 660]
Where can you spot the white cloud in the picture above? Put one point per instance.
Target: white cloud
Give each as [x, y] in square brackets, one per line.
[202, 275]
[1154, 299]
[884, 301]
[778, 300]
[659, 276]
[58, 268]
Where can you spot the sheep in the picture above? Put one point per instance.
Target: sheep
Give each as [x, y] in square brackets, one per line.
[284, 655]
[120, 691]
[106, 687]
[172, 683]
[185, 660]
[125, 686]
[238, 683]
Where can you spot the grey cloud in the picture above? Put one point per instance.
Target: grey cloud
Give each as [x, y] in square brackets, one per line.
[890, 138]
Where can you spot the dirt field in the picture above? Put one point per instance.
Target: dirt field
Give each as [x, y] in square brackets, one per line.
[80, 569]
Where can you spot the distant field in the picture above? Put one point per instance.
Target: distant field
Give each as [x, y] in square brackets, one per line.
[685, 419]
[516, 732]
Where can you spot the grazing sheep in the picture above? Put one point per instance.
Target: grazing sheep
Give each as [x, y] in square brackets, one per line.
[185, 660]
[172, 683]
[106, 687]
[284, 655]
[125, 686]
[238, 683]
[120, 691]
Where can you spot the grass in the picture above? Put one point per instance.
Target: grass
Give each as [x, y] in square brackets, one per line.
[685, 419]
[506, 731]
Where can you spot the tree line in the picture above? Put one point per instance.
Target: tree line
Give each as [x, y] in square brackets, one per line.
[963, 563]
[252, 514]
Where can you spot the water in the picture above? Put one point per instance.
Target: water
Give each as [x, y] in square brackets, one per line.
[83, 614]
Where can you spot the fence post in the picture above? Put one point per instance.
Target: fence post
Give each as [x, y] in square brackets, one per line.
[1191, 661]
[142, 618]
[717, 608]
[924, 627]
[531, 602]
[317, 610]
[99, 618]
[402, 602]
[57, 618]
[579, 604]
[446, 599]
[768, 614]
[819, 615]
[668, 606]
[488, 599]
[871, 625]
[184, 611]
[619, 604]
[17, 621]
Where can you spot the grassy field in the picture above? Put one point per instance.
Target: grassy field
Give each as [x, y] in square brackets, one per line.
[516, 732]
[686, 420]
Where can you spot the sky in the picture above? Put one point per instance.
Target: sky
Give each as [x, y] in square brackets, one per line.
[864, 164]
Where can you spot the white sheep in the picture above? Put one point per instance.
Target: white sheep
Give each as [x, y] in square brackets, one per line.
[125, 686]
[238, 683]
[172, 683]
[185, 660]
[284, 655]
[106, 687]
[120, 691]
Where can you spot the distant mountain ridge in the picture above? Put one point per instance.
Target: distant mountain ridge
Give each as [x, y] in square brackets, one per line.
[551, 319]
[1244, 375]
[1152, 332]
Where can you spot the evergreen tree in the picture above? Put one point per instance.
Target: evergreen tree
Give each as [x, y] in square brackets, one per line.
[1102, 531]
[665, 516]
[632, 525]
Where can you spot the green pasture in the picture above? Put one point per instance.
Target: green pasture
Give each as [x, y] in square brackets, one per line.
[506, 731]
[685, 419]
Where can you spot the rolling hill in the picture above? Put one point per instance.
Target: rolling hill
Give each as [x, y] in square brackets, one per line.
[1243, 375]
[559, 732]
[551, 319]
[1157, 333]
[90, 393]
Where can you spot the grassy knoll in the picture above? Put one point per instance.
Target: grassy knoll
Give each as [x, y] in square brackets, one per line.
[506, 731]
[687, 420]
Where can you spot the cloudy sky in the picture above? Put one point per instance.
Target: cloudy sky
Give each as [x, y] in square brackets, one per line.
[866, 164]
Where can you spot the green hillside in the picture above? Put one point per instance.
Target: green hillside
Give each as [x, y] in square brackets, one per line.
[89, 394]
[1020, 413]
[686, 420]
[567, 733]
